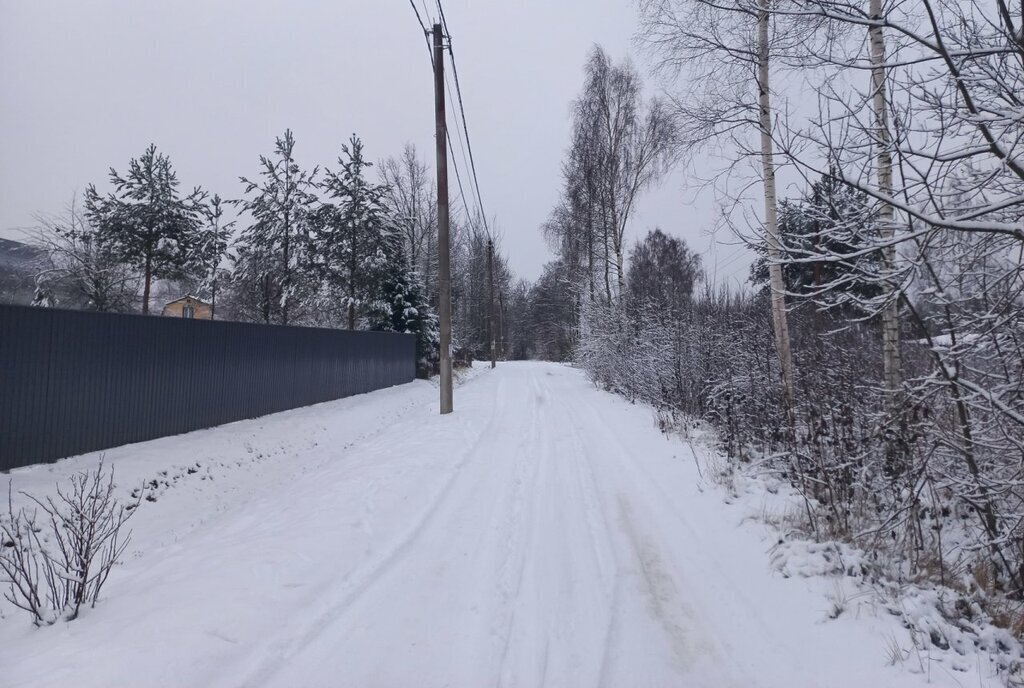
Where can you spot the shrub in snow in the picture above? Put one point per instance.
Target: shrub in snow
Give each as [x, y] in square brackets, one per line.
[57, 554]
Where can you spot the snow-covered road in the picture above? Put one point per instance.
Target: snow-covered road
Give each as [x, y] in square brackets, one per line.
[546, 534]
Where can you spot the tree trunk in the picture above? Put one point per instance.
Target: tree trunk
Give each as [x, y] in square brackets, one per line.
[620, 269]
[607, 259]
[286, 296]
[501, 325]
[267, 296]
[426, 272]
[891, 364]
[590, 249]
[490, 301]
[148, 278]
[778, 287]
[352, 280]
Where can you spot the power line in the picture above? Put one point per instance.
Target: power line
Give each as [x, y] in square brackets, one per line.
[462, 149]
[448, 135]
[426, 33]
[418, 18]
[462, 112]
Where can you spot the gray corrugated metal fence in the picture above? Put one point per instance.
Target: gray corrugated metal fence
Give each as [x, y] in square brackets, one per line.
[73, 382]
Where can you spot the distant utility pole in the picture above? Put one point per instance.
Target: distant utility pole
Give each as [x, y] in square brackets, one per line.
[490, 299]
[444, 278]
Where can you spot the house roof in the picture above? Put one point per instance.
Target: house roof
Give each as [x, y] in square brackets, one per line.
[186, 297]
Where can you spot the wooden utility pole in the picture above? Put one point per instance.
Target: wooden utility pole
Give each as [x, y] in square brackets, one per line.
[444, 278]
[490, 300]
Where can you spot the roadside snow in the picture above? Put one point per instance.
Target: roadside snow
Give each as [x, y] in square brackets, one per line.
[939, 635]
[544, 534]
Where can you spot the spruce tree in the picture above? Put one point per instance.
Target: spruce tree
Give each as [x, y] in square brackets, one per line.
[823, 236]
[145, 221]
[401, 306]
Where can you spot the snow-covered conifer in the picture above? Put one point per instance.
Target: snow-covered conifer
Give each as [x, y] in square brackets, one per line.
[349, 241]
[270, 258]
[145, 221]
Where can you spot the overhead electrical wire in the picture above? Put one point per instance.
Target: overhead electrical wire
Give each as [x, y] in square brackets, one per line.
[462, 150]
[448, 135]
[419, 19]
[462, 112]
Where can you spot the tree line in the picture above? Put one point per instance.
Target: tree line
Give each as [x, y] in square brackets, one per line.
[333, 246]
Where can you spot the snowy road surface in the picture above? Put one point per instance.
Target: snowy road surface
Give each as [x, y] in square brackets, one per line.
[546, 534]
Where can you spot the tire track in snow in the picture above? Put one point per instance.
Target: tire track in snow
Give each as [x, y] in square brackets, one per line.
[298, 635]
[705, 569]
[668, 601]
[482, 514]
[641, 566]
[520, 534]
[599, 532]
[546, 645]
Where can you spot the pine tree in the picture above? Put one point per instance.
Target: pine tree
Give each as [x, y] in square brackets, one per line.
[145, 221]
[270, 251]
[210, 250]
[349, 243]
[254, 289]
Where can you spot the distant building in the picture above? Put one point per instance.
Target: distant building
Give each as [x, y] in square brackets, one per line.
[188, 307]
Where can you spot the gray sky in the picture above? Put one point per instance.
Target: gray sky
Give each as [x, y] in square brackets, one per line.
[87, 85]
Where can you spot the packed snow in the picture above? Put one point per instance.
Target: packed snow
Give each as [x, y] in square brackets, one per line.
[546, 533]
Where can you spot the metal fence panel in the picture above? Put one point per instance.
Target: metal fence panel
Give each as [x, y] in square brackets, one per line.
[73, 382]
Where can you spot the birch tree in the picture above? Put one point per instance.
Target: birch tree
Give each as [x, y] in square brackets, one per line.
[934, 141]
[411, 202]
[724, 51]
[892, 367]
[624, 146]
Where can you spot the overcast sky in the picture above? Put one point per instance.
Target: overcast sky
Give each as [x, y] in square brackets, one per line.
[87, 85]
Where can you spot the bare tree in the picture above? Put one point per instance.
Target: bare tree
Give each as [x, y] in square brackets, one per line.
[726, 52]
[80, 268]
[470, 281]
[935, 142]
[412, 204]
[662, 273]
[628, 145]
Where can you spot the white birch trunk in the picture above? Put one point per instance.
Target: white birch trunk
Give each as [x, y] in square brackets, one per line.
[891, 363]
[778, 299]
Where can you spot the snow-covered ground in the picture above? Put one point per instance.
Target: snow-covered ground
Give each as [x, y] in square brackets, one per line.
[544, 534]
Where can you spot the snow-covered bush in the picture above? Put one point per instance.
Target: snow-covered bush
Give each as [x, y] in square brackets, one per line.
[907, 486]
[57, 561]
